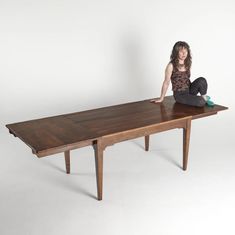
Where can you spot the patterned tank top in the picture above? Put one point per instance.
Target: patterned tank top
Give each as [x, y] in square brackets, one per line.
[180, 80]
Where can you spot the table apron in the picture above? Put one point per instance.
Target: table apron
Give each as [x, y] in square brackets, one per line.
[65, 148]
[144, 131]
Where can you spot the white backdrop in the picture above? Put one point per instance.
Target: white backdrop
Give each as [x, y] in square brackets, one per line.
[60, 56]
[65, 56]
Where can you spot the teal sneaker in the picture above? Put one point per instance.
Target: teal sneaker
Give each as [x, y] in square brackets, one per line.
[210, 103]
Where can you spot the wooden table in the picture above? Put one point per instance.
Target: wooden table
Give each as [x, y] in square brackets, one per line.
[106, 126]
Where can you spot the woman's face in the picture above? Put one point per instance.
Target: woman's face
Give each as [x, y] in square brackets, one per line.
[183, 53]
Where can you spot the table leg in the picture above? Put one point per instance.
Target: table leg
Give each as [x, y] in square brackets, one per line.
[146, 143]
[99, 168]
[67, 161]
[186, 138]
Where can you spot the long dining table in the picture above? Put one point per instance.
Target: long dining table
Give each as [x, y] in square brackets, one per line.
[106, 126]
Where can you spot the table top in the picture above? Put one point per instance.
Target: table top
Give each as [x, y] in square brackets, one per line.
[58, 131]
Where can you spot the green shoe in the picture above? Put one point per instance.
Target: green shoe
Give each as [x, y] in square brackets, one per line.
[210, 103]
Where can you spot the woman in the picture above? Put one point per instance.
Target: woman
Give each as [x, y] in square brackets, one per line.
[178, 72]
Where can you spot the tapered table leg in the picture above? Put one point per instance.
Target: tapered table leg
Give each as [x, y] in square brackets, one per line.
[186, 139]
[67, 161]
[99, 169]
[146, 143]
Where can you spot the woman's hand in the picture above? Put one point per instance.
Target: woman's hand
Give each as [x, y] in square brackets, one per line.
[159, 100]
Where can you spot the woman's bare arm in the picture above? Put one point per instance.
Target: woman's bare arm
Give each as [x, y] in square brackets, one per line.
[166, 82]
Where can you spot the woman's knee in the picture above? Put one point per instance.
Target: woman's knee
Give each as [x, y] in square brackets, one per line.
[202, 81]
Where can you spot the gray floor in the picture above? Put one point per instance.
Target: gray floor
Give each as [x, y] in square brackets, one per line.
[144, 192]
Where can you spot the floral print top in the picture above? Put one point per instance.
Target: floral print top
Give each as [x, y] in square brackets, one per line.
[180, 80]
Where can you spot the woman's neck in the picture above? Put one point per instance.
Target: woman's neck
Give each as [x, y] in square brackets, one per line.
[181, 62]
[181, 67]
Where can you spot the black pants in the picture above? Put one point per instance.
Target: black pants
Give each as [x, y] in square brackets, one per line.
[190, 96]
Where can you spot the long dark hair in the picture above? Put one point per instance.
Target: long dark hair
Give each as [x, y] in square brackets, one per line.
[175, 52]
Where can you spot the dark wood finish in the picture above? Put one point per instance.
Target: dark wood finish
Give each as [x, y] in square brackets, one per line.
[146, 142]
[98, 147]
[111, 139]
[186, 138]
[143, 131]
[53, 134]
[67, 161]
[63, 148]
[106, 126]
